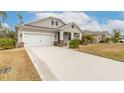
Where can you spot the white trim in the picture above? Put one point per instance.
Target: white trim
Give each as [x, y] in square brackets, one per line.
[34, 21]
[22, 36]
[80, 36]
[38, 28]
[71, 24]
[72, 35]
[61, 35]
[38, 33]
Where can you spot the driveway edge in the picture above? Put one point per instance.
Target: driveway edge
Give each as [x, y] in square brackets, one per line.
[42, 69]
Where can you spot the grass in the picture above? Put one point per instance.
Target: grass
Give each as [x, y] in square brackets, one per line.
[112, 51]
[21, 66]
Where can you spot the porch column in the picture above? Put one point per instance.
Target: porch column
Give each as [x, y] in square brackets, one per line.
[20, 38]
[61, 38]
[72, 35]
[61, 35]
[80, 36]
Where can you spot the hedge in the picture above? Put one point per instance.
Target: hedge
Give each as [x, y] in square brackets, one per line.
[74, 44]
[7, 43]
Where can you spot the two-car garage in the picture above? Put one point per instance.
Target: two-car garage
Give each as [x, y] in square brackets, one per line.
[38, 39]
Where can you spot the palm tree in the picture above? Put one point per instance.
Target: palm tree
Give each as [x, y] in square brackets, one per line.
[0, 25]
[12, 34]
[20, 17]
[116, 35]
[3, 14]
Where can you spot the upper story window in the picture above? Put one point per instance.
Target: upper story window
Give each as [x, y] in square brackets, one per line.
[72, 26]
[52, 22]
[20, 35]
[56, 23]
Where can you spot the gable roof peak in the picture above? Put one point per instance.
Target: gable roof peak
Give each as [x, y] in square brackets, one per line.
[63, 27]
[42, 19]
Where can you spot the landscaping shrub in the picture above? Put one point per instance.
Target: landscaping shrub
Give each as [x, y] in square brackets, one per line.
[80, 42]
[74, 44]
[7, 43]
[55, 43]
[87, 39]
[85, 43]
[108, 40]
[102, 41]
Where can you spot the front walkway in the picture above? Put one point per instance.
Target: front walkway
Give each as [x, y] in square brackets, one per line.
[56, 63]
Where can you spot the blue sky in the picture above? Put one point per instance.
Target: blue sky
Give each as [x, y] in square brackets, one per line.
[12, 18]
[102, 16]
[90, 20]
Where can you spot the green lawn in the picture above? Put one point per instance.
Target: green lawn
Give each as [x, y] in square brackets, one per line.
[113, 51]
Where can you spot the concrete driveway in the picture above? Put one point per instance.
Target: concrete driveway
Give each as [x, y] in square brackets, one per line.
[56, 63]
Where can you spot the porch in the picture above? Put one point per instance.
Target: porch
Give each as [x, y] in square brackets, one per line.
[63, 38]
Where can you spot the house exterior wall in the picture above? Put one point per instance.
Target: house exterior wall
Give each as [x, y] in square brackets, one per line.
[98, 38]
[22, 31]
[74, 30]
[56, 37]
[70, 29]
[39, 27]
[103, 37]
[48, 23]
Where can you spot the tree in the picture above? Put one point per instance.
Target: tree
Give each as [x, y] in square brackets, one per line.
[12, 34]
[8, 34]
[107, 40]
[20, 17]
[116, 35]
[0, 25]
[3, 14]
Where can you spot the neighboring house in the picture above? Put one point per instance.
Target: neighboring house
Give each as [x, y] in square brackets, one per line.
[98, 35]
[121, 39]
[46, 32]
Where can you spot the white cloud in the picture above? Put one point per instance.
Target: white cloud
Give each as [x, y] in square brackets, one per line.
[114, 24]
[80, 18]
[93, 26]
[83, 20]
[6, 25]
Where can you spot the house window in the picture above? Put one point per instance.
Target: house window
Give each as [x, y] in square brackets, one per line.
[20, 35]
[52, 22]
[72, 26]
[54, 36]
[56, 23]
[76, 35]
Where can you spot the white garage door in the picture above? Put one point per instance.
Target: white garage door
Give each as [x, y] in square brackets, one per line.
[38, 39]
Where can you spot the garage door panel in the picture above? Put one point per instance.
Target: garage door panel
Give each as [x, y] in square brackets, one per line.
[38, 39]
